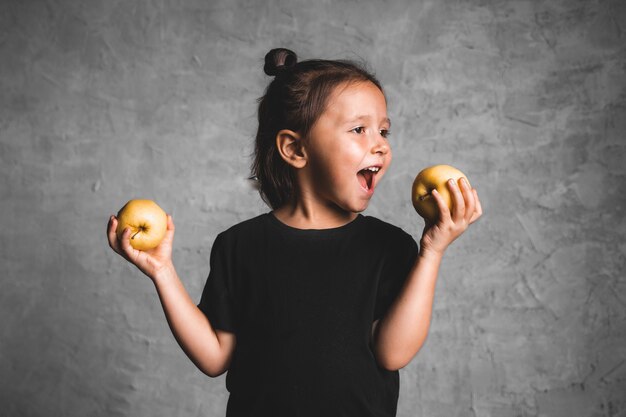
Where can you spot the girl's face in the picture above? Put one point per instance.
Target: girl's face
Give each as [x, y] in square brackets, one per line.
[347, 148]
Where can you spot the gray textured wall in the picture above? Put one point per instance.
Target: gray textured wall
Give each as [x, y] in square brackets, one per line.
[103, 101]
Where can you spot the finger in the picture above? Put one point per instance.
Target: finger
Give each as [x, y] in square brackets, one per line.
[127, 250]
[458, 204]
[168, 237]
[468, 197]
[112, 234]
[444, 211]
[170, 226]
[478, 211]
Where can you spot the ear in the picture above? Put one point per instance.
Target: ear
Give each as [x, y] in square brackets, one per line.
[289, 145]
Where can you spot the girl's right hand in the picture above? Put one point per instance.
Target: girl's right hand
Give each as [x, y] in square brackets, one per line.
[150, 262]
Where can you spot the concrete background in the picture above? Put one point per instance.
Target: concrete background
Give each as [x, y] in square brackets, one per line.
[104, 101]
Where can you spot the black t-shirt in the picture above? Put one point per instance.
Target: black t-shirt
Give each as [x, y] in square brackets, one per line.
[302, 304]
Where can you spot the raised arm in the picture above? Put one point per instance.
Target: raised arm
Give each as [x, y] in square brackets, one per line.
[209, 349]
[400, 334]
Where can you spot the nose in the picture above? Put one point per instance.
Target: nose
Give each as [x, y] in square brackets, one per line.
[381, 146]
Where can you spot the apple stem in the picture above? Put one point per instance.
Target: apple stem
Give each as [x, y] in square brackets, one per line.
[133, 236]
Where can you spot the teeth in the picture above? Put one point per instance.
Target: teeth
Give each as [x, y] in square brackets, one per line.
[373, 169]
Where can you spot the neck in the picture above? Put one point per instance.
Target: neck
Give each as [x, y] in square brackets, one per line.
[307, 214]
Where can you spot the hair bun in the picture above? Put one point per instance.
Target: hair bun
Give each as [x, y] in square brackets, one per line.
[278, 60]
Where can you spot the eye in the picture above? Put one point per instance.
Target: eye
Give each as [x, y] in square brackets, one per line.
[385, 133]
[358, 130]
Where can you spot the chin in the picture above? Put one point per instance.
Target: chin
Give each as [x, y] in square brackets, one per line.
[360, 207]
[347, 207]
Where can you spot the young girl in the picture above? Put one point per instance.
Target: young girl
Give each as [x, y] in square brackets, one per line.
[312, 308]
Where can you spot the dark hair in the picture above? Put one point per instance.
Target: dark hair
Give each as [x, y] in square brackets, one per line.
[294, 100]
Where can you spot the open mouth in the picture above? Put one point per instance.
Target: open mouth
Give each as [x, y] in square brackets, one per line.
[366, 177]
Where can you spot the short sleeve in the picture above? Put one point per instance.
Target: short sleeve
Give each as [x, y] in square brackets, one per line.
[217, 298]
[400, 257]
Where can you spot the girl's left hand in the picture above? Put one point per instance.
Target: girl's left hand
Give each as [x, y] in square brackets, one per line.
[466, 209]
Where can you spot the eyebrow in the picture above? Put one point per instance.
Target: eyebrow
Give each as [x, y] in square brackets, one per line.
[363, 117]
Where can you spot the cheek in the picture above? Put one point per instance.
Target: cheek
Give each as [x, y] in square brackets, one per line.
[324, 170]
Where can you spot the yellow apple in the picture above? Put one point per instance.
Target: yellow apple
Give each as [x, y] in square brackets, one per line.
[429, 179]
[147, 222]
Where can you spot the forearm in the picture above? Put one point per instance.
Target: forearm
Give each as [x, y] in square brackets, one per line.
[402, 332]
[189, 325]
